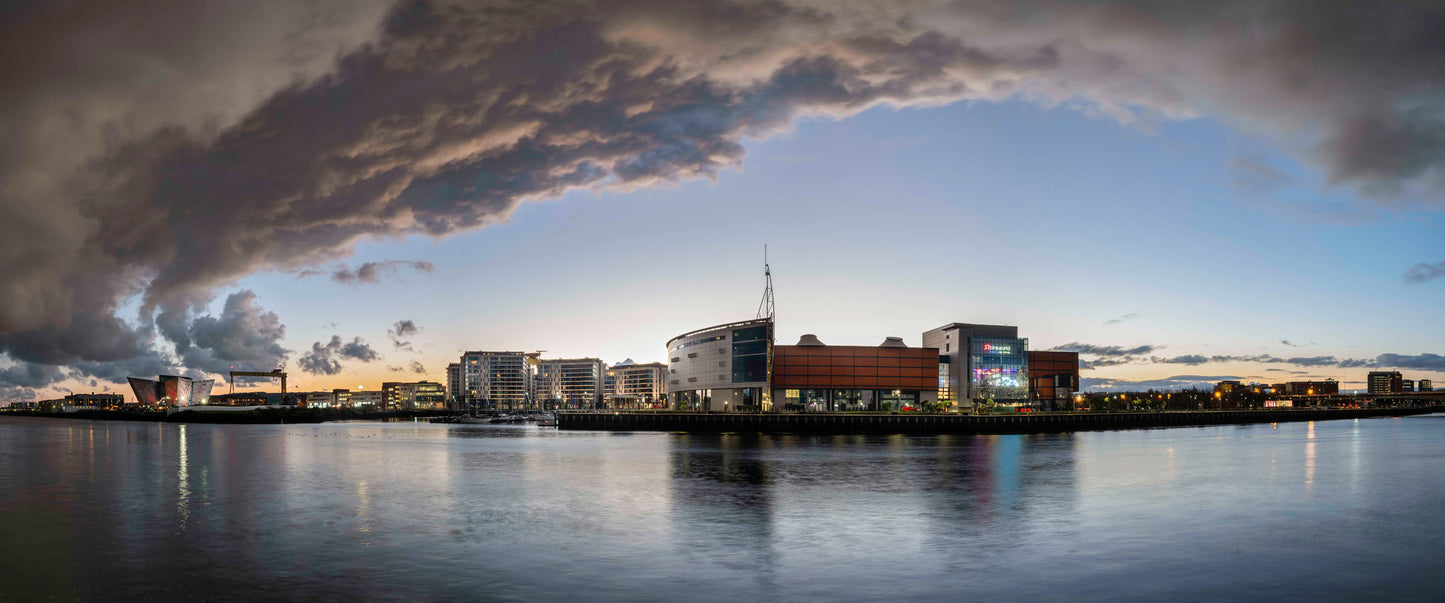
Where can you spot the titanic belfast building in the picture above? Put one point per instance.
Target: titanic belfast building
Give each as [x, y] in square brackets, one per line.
[171, 390]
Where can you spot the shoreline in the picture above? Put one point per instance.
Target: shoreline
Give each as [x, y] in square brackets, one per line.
[262, 416]
[940, 424]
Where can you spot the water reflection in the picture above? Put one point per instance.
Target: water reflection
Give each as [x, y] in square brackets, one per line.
[418, 511]
[721, 487]
[1310, 456]
[183, 486]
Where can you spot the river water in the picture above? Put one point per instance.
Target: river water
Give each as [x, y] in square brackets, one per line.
[344, 511]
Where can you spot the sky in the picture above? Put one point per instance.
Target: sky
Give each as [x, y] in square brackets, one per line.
[361, 191]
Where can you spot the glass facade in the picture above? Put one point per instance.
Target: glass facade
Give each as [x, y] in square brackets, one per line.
[945, 391]
[849, 400]
[696, 399]
[750, 354]
[1000, 368]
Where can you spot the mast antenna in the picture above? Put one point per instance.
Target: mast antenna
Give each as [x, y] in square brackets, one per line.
[765, 309]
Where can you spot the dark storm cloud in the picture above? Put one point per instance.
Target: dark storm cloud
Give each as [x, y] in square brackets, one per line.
[29, 375]
[152, 164]
[1422, 272]
[243, 337]
[325, 359]
[370, 271]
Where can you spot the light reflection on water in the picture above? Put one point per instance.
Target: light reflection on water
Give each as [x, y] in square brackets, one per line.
[409, 510]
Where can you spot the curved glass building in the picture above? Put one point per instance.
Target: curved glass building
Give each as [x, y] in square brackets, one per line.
[722, 368]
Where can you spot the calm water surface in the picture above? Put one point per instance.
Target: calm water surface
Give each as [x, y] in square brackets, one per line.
[345, 511]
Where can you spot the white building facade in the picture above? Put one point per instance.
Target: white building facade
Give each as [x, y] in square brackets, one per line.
[575, 383]
[632, 385]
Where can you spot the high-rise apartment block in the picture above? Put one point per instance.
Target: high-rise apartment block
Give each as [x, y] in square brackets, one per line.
[1385, 382]
[495, 380]
[569, 383]
[632, 385]
[454, 382]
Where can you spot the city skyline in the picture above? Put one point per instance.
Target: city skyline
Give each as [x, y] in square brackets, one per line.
[1180, 218]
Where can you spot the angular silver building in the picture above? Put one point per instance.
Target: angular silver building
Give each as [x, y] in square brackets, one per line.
[171, 390]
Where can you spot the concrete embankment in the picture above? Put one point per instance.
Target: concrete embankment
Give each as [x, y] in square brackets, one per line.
[950, 424]
[265, 415]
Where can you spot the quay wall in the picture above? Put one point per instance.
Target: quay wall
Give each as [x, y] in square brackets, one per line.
[922, 424]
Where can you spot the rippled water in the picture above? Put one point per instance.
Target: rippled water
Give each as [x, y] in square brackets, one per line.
[112, 510]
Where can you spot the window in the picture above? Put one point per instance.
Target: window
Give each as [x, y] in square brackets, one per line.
[750, 347]
[751, 334]
[700, 342]
[750, 368]
[692, 355]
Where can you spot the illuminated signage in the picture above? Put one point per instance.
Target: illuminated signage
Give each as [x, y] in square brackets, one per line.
[993, 348]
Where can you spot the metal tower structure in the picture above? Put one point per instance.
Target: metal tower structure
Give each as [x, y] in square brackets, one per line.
[765, 308]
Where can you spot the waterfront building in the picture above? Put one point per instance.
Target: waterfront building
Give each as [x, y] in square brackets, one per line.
[95, 400]
[984, 362]
[632, 385]
[373, 398]
[723, 367]
[1426, 385]
[814, 377]
[495, 381]
[1328, 387]
[1227, 388]
[424, 395]
[454, 383]
[391, 395]
[419, 395]
[569, 383]
[1407, 385]
[1053, 378]
[247, 399]
[171, 390]
[1385, 382]
[318, 399]
[341, 397]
